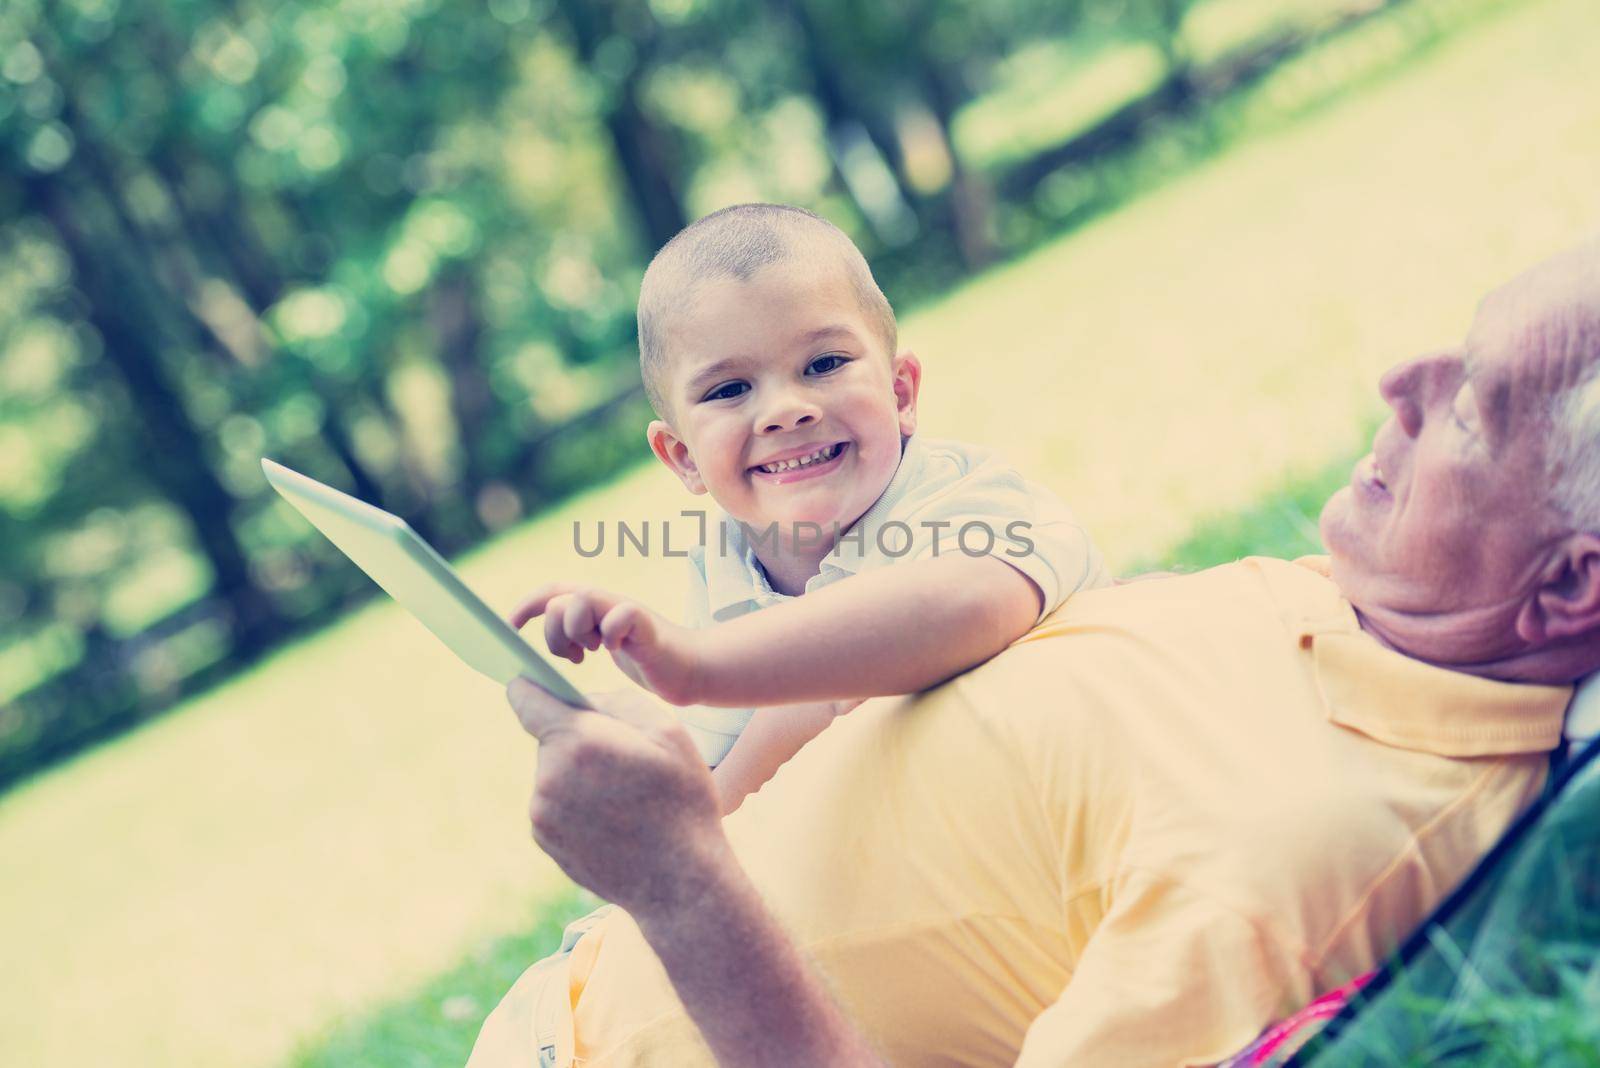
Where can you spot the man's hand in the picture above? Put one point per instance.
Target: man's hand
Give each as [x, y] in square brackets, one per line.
[622, 801]
[624, 805]
[660, 656]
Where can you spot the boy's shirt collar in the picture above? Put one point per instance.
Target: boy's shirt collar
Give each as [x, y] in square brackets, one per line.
[736, 583]
[851, 552]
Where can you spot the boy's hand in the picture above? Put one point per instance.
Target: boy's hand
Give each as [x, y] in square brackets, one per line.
[658, 655]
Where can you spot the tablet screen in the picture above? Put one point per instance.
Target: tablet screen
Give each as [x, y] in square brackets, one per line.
[411, 572]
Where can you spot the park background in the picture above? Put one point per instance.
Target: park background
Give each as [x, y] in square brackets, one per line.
[1154, 252]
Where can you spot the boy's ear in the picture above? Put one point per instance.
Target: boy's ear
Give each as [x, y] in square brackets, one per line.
[1567, 602]
[670, 450]
[907, 371]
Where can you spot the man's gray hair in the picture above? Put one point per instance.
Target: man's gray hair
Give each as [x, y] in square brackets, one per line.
[736, 242]
[1575, 451]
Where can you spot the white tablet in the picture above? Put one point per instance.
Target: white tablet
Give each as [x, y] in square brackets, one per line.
[411, 572]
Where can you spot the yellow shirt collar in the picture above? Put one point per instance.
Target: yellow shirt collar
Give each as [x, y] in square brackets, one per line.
[1403, 702]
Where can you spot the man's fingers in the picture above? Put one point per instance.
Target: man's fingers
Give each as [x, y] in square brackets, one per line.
[654, 720]
[540, 713]
[634, 708]
[537, 601]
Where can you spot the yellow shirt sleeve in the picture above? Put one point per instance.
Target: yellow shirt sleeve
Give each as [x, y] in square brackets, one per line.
[1170, 977]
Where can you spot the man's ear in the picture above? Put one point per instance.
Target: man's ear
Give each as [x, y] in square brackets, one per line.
[670, 450]
[1567, 602]
[907, 371]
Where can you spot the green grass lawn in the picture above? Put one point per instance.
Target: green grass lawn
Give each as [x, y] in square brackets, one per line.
[437, 1023]
[343, 826]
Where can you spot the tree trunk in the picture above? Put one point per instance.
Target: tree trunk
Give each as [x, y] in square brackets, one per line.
[840, 106]
[175, 449]
[457, 328]
[458, 337]
[644, 151]
[230, 235]
[969, 198]
[179, 291]
[1179, 69]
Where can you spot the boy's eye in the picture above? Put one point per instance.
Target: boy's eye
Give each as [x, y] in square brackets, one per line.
[823, 364]
[726, 391]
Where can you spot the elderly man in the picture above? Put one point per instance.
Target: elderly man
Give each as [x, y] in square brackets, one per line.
[1174, 810]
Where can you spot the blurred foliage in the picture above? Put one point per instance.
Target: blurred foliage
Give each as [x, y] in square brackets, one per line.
[1282, 524]
[396, 245]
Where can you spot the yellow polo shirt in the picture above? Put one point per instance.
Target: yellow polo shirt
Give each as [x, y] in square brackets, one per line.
[1172, 812]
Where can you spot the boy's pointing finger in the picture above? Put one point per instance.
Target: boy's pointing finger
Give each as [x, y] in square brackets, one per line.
[536, 602]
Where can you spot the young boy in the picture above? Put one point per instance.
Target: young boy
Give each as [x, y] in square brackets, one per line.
[769, 354]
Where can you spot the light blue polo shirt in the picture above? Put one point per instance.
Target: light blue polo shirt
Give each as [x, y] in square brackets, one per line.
[944, 498]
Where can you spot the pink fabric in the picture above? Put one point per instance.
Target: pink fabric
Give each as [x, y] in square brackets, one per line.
[1283, 1038]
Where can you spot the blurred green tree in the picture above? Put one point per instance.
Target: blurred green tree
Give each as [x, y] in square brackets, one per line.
[396, 245]
[265, 227]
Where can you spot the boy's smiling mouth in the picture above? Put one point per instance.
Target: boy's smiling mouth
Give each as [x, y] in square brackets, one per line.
[796, 463]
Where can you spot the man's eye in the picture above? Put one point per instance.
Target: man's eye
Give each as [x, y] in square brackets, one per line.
[824, 364]
[726, 391]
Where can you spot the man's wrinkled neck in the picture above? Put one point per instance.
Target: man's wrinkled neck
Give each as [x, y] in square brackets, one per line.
[1464, 642]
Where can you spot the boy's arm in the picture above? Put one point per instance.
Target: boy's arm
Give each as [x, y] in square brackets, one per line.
[771, 738]
[891, 631]
[895, 630]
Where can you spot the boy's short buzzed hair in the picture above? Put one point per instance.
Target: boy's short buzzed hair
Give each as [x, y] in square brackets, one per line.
[736, 242]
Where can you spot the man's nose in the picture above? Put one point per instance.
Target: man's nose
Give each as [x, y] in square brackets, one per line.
[787, 410]
[1410, 387]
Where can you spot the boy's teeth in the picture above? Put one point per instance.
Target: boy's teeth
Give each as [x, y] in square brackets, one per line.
[826, 453]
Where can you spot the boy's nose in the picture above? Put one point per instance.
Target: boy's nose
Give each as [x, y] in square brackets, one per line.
[787, 412]
[797, 421]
